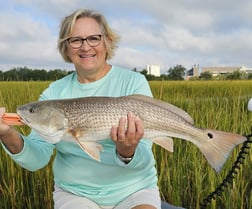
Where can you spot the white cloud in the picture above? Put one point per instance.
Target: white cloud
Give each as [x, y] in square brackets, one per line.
[166, 32]
[26, 41]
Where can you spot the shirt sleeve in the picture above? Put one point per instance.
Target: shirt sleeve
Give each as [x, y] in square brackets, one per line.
[35, 154]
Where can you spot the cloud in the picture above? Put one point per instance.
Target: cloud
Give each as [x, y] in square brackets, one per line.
[166, 32]
[26, 41]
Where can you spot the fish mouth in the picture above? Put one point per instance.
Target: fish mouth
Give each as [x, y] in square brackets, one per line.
[23, 120]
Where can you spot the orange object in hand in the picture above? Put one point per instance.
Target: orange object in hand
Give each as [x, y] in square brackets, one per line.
[12, 119]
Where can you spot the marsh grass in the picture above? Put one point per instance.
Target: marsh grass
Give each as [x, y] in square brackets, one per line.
[185, 177]
[215, 105]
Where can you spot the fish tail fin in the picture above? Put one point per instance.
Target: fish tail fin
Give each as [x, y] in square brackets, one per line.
[219, 147]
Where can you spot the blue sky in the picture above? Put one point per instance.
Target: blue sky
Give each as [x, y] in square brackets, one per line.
[165, 32]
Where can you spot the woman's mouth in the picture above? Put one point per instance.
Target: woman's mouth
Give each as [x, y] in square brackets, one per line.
[87, 56]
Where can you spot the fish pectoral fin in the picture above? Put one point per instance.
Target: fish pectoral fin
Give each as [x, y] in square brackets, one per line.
[93, 149]
[165, 142]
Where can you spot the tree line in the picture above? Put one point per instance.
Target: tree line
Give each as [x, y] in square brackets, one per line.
[177, 72]
[27, 74]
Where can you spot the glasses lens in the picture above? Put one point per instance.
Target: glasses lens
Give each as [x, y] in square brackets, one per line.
[93, 40]
[75, 42]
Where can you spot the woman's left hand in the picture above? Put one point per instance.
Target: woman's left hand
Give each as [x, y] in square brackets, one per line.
[127, 140]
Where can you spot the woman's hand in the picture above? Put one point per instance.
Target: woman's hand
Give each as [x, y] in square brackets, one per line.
[4, 129]
[126, 140]
[9, 136]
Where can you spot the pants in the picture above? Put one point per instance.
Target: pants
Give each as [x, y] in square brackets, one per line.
[66, 200]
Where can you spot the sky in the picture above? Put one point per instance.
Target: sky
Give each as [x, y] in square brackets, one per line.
[167, 33]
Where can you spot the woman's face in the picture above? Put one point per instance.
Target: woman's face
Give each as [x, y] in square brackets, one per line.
[87, 58]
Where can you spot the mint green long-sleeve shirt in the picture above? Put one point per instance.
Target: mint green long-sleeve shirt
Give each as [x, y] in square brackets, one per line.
[106, 182]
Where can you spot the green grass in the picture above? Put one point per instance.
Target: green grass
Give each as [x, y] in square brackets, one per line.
[185, 177]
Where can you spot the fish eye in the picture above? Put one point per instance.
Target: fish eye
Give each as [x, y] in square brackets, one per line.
[31, 110]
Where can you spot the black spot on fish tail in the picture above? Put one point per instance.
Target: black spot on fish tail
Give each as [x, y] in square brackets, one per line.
[210, 135]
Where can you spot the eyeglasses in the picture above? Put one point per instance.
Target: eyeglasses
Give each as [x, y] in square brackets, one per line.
[77, 42]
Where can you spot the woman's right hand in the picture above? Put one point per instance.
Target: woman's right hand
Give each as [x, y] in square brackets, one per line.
[4, 129]
[9, 136]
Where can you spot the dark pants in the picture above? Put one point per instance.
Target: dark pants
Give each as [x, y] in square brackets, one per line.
[165, 205]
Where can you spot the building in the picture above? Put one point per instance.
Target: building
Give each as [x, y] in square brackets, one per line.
[246, 69]
[215, 71]
[220, 70]
[153, 70]
[193, 72]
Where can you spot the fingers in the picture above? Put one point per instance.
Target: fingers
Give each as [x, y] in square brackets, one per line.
[135, 128]
[128, 129]
[118, 133]
[131, 130]
[139, 127]
[4, 128]
[121, 134]
[128, 134]
[2, 111]
[113, 133]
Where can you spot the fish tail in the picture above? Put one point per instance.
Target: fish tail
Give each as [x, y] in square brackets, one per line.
[219, 146]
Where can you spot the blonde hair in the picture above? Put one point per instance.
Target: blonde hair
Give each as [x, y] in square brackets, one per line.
[111, 39]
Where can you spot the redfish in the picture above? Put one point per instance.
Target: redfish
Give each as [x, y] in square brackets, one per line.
[88, 120]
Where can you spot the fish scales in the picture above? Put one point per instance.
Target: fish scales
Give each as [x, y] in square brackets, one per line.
[103, 113]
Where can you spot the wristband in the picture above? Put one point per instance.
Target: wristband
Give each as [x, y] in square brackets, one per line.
[126, 160]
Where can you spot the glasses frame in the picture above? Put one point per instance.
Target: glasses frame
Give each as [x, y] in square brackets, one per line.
[85, 39]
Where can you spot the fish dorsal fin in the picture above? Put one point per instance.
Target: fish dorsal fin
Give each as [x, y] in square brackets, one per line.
[165, 105]
[165, 142]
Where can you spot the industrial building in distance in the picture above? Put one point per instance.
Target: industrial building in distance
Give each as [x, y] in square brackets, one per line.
[195, 71]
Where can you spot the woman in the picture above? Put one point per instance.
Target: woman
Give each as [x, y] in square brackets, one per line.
[126, 175]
